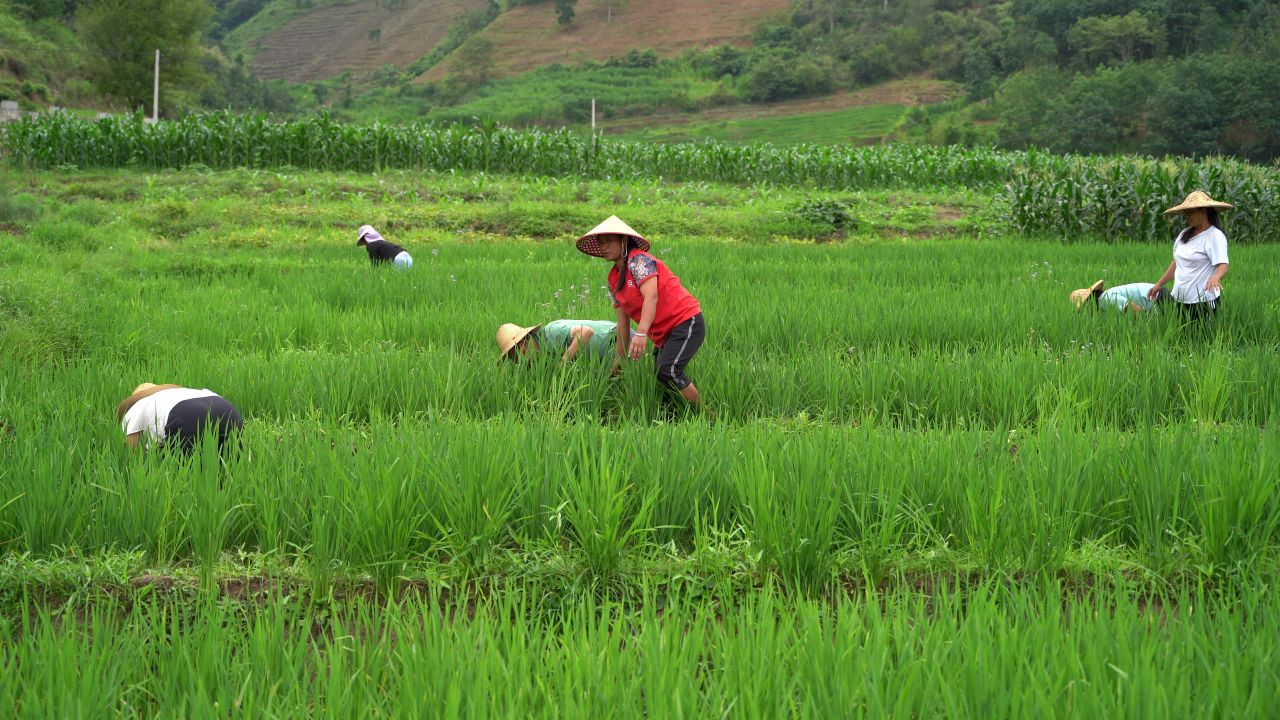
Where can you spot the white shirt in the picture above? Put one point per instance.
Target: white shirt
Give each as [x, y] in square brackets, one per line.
[1196, 259]
[151, 414]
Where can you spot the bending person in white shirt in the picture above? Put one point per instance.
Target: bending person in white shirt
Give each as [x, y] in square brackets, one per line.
[1199, 258]
[175, 416]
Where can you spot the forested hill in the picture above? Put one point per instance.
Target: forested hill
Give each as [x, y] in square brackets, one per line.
[1154, 76]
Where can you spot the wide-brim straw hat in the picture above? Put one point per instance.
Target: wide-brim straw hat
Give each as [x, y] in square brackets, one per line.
[510, 335]
[1081, 296]
[144, 390]
[1196, 200]
[590, 243]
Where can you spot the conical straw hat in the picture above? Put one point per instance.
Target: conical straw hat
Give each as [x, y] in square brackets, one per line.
[1079, 297]
[590, 243]
[144, 390]
[510, 335]
[1197, 199]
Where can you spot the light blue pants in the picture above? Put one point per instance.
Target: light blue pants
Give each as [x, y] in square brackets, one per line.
[402, 261]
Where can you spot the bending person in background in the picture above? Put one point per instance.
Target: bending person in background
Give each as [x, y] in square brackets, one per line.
[175, 416]
[1132, 297]
[646, 292]
[1199, 258]
[567, 337]
[380, 251]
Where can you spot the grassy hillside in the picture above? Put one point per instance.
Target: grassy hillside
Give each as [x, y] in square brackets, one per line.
[40, 62]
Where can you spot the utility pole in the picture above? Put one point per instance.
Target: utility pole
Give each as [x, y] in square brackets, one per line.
[155, 97]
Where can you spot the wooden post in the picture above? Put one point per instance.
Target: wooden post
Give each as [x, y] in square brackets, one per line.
[155, 97]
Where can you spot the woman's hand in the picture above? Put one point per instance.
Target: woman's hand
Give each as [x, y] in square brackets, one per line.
[1214, 285]
[1155, 290]
[638, 344]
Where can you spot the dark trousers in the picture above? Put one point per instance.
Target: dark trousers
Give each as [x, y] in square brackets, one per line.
[190, 419]
[1199, 311]
[670, 360]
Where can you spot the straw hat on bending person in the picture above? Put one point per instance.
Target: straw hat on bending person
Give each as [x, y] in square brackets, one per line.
[1083, 295]
[175, 416]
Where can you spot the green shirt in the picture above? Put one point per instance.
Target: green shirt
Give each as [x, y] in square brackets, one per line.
[1119, 297]
[556, 336]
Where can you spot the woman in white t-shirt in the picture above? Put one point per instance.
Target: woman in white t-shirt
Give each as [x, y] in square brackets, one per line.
[1199, 257]
[175, 416]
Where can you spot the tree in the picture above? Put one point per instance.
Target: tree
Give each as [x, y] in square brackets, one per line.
[564, 11]
[1123, 38]
[124, 36]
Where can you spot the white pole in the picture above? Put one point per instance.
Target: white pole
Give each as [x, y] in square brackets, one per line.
[593, 116]
[155, 98]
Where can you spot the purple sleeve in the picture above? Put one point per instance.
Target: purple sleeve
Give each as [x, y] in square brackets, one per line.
[642, 268]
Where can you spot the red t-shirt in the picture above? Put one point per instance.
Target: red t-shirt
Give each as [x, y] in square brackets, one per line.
[675, 304]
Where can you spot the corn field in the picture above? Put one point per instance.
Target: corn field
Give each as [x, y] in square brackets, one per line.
[1113, 198]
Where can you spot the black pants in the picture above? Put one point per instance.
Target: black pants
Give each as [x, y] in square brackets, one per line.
[1200, 310]
[670, 360]
[190, 419]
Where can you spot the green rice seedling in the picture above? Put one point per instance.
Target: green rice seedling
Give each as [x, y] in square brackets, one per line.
[1208, 386]
[380, 513]
[475, 506]
[47, 500]
[209, 510]
[605, 515]
[879, 517]
[145, 510]
[1235, 509]
[792, 505]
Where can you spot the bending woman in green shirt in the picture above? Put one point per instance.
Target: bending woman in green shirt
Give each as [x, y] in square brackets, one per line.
[567, 337]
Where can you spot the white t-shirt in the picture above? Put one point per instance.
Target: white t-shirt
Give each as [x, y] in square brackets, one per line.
[1196, 260]
[151, 414]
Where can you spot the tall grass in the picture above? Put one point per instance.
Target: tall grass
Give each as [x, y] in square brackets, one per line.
[986, 652]
[959, 409]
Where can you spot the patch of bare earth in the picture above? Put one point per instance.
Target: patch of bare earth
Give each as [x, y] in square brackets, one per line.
[359, 37]
[527, 37]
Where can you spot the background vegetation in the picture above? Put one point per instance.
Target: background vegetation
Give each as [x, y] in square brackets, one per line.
[1145, 76]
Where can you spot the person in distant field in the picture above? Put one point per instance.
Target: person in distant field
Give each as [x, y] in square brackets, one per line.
[1132, 297]
[646, 292]
[380, 251]
[174, 416]
[567, 337]
[1199, 258]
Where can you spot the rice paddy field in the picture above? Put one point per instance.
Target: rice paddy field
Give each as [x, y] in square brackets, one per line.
[922, 484]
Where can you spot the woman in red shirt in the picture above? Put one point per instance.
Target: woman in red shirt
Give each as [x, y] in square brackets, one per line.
[644, 290]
